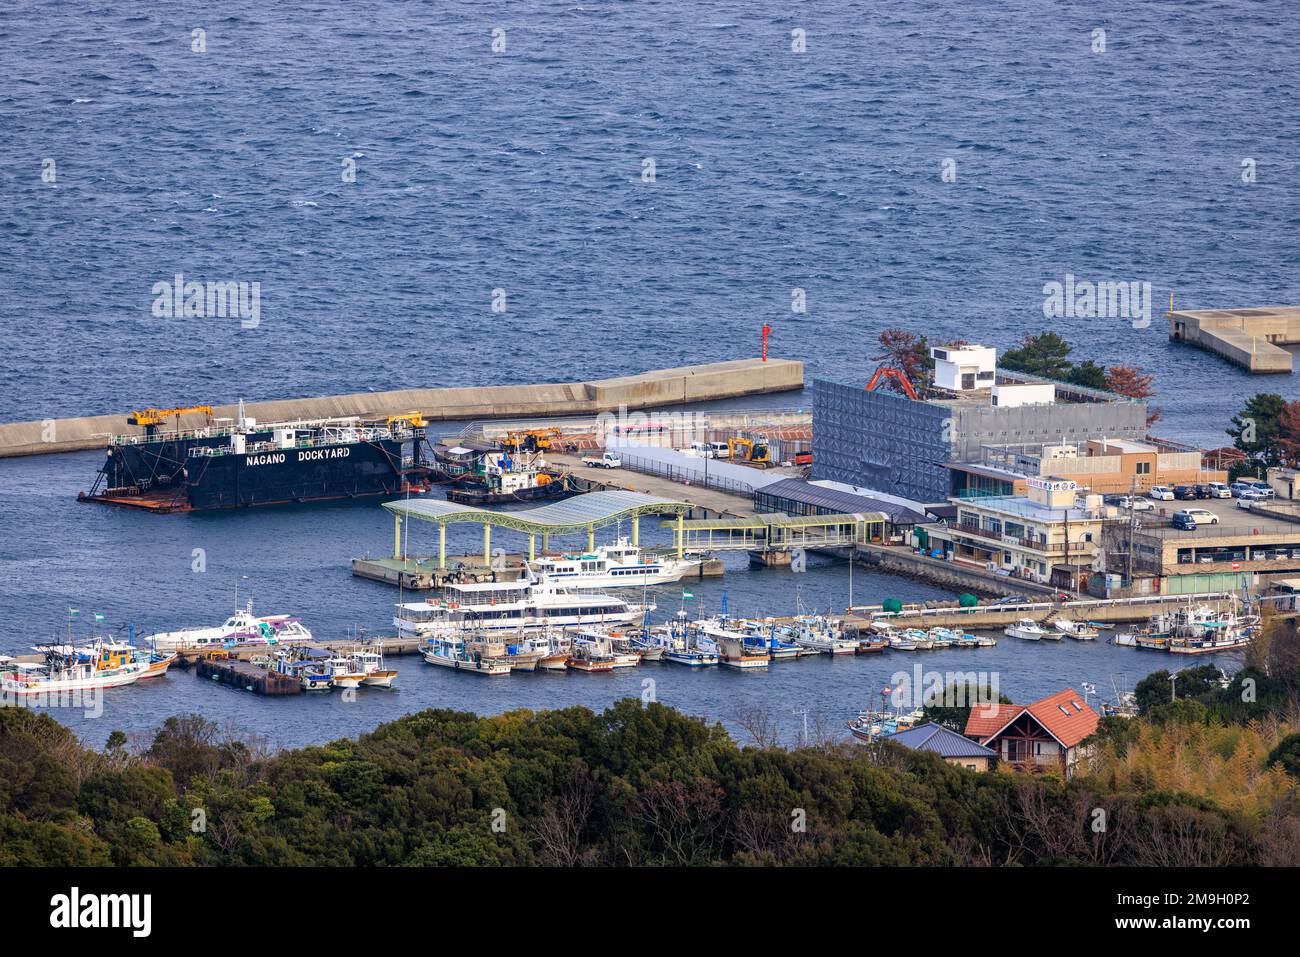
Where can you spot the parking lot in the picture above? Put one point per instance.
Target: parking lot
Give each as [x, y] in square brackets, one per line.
[1232, 520]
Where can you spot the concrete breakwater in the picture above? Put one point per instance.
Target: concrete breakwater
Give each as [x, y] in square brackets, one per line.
[658, 388]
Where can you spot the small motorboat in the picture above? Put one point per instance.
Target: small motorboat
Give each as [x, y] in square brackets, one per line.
[1028, 629]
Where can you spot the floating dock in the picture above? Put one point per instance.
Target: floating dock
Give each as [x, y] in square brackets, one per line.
[247, 677]
[656, 389]
[1250, 338]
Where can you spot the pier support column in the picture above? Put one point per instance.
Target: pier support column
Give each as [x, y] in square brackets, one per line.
[442, 545]
[681, 536]
[487, 545]
[546, 541]
[397, 535]
[532, 546]
[591, 538]
[636, 529]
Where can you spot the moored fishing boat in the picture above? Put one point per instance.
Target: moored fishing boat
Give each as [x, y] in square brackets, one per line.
[343, 673]
[822, 635]
[101, 663]
[451, 653]
[590, 655]
[371, 666]
[733, 652]
[1078, 630]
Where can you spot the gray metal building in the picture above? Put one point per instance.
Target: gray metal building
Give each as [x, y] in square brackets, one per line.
[890, 443]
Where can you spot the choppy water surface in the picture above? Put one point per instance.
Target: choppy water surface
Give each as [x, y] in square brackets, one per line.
[522, 171]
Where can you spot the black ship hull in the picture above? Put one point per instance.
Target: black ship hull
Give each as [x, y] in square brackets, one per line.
[166, 476]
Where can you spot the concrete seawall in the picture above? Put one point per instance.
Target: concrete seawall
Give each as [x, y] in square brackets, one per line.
[663, 387]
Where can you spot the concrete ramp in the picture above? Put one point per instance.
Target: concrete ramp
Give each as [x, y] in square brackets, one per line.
[716, 380]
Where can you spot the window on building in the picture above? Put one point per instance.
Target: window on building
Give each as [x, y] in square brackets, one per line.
[1143, 468]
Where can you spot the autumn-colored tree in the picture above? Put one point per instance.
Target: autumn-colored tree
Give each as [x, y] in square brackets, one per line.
[907, 352]
[1288, 434]
[1135, 383]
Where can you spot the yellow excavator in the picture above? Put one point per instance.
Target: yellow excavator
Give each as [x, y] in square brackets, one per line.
[152, 418]
[754, 452]
[530, 440]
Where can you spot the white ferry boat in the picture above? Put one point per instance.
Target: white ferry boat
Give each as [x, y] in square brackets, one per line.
[511, 607]
[621, 565]
[241, 628]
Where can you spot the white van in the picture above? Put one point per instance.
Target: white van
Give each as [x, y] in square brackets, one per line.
[1219, 490]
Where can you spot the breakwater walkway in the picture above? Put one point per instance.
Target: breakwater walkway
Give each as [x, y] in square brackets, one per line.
[658, 388]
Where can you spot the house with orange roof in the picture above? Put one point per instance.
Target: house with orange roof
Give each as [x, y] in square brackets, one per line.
[1043, 736]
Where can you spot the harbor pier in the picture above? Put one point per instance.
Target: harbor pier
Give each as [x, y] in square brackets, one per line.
[1250, 338]
[657, 388]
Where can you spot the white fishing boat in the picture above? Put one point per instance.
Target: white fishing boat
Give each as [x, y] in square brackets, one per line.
[1078, 630]
[822, 635]
[241, 628]
[621, 565]
[371, 666]
[101, 663]
[1028, 629]
[733, 652]
[512, 607]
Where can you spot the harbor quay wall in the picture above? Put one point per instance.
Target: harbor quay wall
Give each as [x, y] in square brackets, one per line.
[662, 387]
[959, 578]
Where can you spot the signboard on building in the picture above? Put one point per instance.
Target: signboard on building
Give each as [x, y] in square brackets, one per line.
[1051, 485]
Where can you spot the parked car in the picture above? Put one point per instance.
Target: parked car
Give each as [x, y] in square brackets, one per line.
[1219, 490]
[1161, 493]
[1200, 515]
[1185, 492]
[1248, 497]
[1238, 487]
[1184, 521]
[1264, 488]
[1135, 503]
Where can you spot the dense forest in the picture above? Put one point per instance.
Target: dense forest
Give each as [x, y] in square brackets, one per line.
[1207, 779]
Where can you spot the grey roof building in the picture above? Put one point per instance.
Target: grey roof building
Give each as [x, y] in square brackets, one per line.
[949, 745]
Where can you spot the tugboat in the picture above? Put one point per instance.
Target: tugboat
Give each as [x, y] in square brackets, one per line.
[244, 464]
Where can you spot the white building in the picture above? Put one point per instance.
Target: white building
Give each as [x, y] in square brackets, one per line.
[964, 368]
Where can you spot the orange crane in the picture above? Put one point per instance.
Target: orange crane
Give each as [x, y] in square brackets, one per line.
[886, 372]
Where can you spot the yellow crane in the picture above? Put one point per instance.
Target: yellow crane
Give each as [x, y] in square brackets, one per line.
[152, 418]
[414, 419]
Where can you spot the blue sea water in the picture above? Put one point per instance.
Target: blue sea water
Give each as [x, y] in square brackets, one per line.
[522, 171]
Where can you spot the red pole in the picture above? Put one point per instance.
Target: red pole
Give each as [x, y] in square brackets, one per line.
[766, 330]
